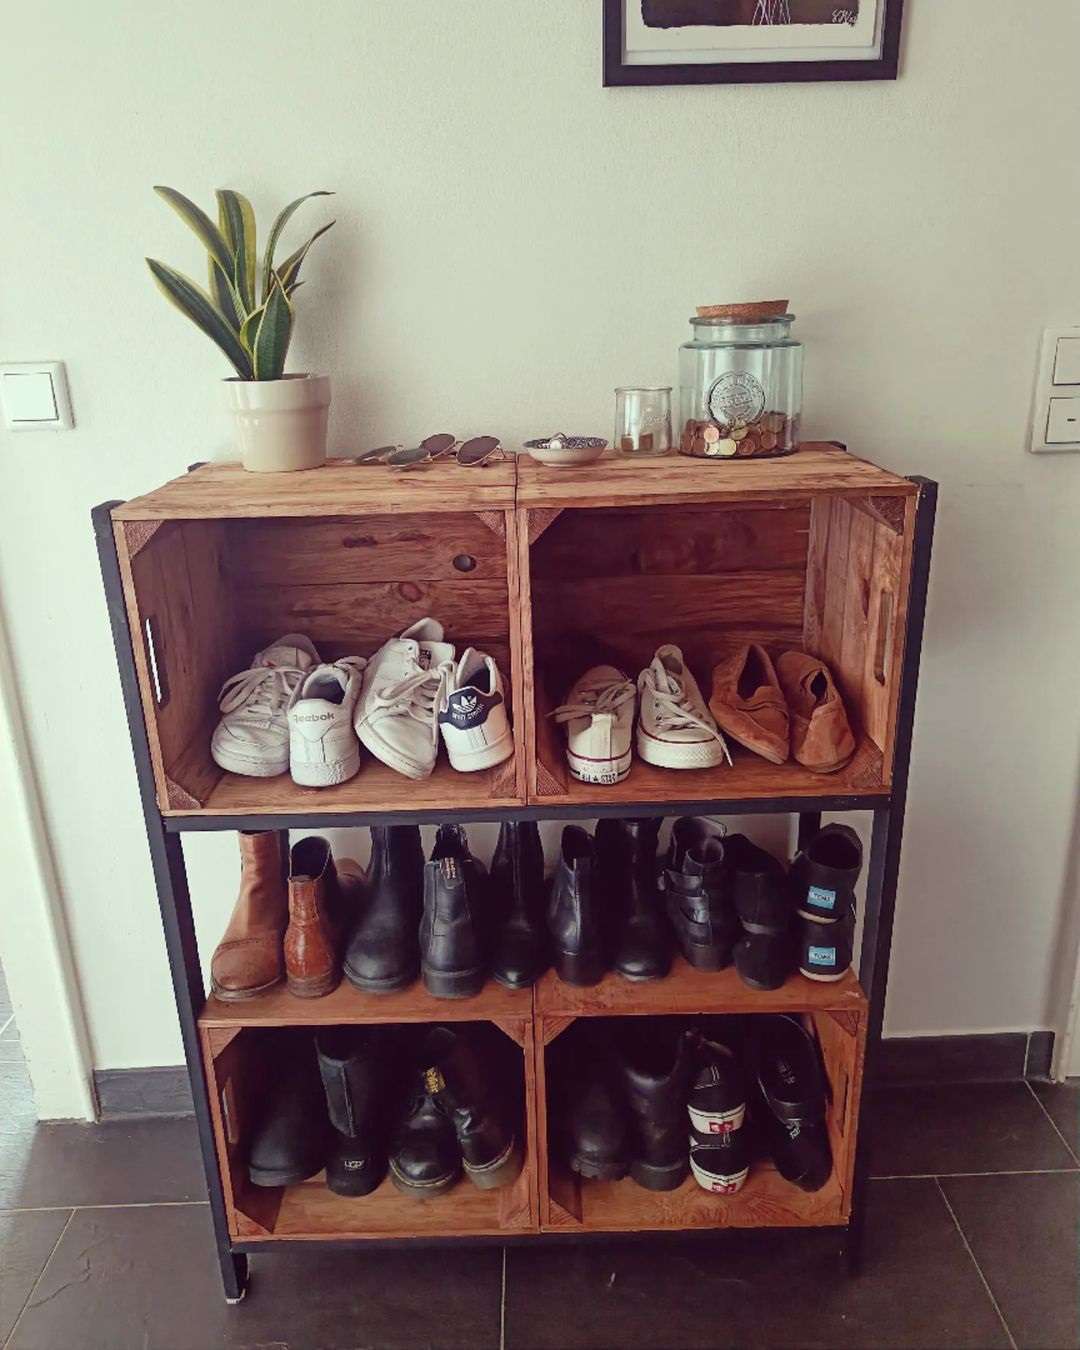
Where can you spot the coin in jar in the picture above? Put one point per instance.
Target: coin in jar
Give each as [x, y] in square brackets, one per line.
[747, 447]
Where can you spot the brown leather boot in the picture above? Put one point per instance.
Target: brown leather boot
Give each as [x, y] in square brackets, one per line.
[248, 959]
[322, 902]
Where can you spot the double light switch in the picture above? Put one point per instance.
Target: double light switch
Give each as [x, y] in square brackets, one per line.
[1055, 422]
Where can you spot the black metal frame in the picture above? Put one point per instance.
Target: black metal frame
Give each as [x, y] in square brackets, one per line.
[166, 851]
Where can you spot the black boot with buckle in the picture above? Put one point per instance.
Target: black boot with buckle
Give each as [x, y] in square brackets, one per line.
[697, 894]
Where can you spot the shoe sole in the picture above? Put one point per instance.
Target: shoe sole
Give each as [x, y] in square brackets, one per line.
[719, 1185]
[398, 763]
[325, 775]
[642, 979]
[599, 772]
[380, 986]
[240, 995]
[248, 768]
[261, 1176]
[679, 754]
[824, 979]
[472, 761]
[418, 1190]
[597, 1171]
[707, 958]
[317, 987]
[501, 1172]
[578, 970]
[653, 1178]
[453, 984]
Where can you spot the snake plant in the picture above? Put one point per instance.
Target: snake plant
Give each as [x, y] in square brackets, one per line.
[248, 308]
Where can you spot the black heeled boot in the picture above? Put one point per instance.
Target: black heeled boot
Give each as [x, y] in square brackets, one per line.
[455, 924]
[573, 912]
[382, 953]
[517, 888]
[289, 1142]
[698, 896]
[626, 870]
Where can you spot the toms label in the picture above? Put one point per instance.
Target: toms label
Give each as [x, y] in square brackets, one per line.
[823, 956]
[820, 898]
[736, 397]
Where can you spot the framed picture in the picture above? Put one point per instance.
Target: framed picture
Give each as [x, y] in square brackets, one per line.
[750, 41]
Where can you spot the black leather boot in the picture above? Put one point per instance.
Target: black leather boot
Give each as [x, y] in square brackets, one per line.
[424, 1155]
[765, 954]
[462, 1087]
[626, 869]
[290, 1139]
[573, 913]
[355, 1076]
[517, 888]
[452, 930]
[589, 1119]
[791, 1098]
[382, 952]
[695, 883]
[656, 1064]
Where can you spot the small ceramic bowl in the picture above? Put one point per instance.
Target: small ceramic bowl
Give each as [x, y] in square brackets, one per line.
[566, 450]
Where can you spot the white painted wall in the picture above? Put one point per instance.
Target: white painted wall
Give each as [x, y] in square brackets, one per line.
[512, 242]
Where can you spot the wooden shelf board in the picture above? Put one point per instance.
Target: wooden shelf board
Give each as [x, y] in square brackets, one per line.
[346, 1005]
[817, 469]
[375, 788]
[687, 991]
[765, 1201]
[339, 488]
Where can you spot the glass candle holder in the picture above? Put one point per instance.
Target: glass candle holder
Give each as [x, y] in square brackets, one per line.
[643, 421]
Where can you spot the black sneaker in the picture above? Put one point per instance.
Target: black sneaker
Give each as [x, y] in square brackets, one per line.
[791, 1092]
[825, 948]
[719, 1151]
[824, 874]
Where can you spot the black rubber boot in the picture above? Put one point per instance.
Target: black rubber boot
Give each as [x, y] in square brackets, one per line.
[697, 895]
[425, 1159]
[589, 1118]
[452, 930]
[655, 1066]
[356, 1080]
[791, 1097]
[626, 871]
[517, 894]
[824, 874]
[716, 1103]
[765, 954]
[462, 1087]
[574, 912]
[382, 953]
[291, 1136]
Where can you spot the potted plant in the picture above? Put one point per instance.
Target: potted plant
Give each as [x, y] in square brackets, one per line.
[248, 312]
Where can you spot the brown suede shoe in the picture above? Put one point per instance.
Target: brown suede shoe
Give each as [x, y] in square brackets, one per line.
[323, 896]
[821, 736]
[748, 704]
[248, 960]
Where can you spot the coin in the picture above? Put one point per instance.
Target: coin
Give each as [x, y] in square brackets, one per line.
[724, 448]
[769, 440]
[711, 434]
[737, 433]
[698, 447]
[747, 447]
[775, 421]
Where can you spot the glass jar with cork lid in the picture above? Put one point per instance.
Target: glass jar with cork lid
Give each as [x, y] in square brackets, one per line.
[740, 379]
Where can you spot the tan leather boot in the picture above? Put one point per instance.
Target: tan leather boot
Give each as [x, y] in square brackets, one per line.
[248, 959]
[322, 902]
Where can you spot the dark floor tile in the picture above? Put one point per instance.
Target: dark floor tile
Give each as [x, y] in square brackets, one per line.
[1023, 1233]
[26, 1241]
[971, 1127]
[760, 1288]
[1062, 1104]
[951, 1059]
[148, 1278]
[117, 1162]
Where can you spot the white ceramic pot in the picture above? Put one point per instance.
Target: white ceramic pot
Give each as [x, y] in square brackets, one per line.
[281, 424]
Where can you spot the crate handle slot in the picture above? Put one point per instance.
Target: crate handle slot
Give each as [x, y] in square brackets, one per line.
[465, 562]
[157, 666]
[883, 647]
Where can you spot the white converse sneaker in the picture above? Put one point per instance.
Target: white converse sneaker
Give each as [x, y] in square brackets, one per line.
[599, 718]
[472, 714]
[676, 729]
[395, 717]
[323, 748]
[252, 737]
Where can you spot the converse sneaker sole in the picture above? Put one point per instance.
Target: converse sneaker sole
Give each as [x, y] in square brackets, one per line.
[470, 761]
[602, 772]
[717, 1183]
[679, 754]
[326, 775]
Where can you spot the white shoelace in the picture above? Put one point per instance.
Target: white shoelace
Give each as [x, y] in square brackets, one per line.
[415, 696]
[261, 690]
[601, 698]
[674, 711]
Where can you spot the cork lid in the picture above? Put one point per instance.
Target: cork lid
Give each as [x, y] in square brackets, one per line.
[753, 311]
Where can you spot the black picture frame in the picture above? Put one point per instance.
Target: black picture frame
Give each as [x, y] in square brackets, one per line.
[618, 74]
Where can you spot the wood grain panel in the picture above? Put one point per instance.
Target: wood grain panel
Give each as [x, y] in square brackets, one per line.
[849, 669]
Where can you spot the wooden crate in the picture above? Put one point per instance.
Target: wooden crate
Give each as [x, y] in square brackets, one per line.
[838, 1015]
[812, 551]
[237, 1050]
[218, 563]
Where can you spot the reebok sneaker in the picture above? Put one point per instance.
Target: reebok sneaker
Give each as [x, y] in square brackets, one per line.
[675, 728]
[323, 748]
[472, 714]
[599, 718]
[398, 705]
[252, 737]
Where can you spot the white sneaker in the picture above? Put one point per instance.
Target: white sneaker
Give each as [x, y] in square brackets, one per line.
[676, 729]
[252, 737]
[472, 714]
[599, 718]
[396, 714]
[323, 748]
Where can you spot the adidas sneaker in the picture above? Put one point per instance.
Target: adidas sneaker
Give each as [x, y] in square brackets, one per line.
[599, 718]
[676, 730]
[323, 748]
[397, 710]
[252, 737]
[472, 714]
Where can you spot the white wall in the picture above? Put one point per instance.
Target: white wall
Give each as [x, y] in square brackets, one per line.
[512, 242]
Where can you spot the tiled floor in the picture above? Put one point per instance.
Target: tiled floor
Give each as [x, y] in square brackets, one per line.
[972, 1241]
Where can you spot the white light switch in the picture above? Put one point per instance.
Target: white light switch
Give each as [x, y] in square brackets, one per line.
[1063, 422]
[35, 397]
[1055, 410]
[1067, 361]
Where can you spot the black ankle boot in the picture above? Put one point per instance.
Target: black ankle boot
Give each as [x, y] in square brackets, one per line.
[462, 1087]
[697, 893]
[382, 952]
[452, 930]
[355, 1076]
[589, 1119]
[290, 1139]
[765, 954]
[656, 1065]
[517, 889]
[573, 912]
[424, 1155]
[626, 870]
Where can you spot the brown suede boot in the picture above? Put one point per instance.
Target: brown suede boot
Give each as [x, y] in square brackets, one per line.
[748, 704]
[248, 959]
[821, 736]
[322, 903]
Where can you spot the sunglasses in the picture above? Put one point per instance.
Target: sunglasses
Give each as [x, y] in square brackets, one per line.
[471, 454]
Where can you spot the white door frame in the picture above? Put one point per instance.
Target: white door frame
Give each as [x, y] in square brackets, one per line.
[1065, 994]
[34, 942]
